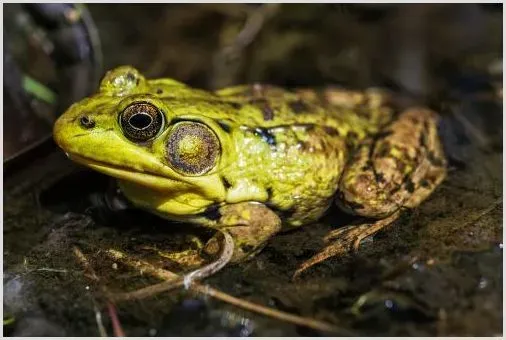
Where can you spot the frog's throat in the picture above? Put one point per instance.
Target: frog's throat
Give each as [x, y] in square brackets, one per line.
[146, 179]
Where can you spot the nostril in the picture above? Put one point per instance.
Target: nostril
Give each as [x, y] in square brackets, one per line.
[87, 122]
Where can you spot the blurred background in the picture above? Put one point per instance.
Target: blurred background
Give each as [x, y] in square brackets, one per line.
[446, 56]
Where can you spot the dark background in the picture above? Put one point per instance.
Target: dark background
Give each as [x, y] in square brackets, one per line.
[435, 271]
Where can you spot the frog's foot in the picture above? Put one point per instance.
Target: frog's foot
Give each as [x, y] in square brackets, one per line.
[345, 239]
[250, 225]
[188, 258]
[227, 249]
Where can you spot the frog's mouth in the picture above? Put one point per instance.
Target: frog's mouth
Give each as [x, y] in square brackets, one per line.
[145, 178]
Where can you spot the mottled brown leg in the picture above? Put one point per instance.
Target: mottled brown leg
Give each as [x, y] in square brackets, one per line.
[349, 238]
[251, 225]
[398, 168]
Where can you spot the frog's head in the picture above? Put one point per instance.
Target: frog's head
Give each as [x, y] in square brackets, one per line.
[166, 153]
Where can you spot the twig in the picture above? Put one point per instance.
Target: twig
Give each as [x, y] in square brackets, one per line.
[100, 324]
[148, 268]
[225, 61]
[482, 140]
[187, 280]
[253, 25]
[116, 325]
[484, 212]
[52, 270]
[90, 273]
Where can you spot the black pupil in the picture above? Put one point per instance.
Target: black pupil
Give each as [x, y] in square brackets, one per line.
[140, 120]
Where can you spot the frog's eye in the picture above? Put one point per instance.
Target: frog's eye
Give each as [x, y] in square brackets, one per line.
[141, 121]
[192, 148]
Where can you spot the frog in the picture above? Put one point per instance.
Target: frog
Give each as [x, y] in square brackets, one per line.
[255, 160]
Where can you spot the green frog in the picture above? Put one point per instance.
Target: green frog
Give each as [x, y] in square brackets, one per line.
[254, 160]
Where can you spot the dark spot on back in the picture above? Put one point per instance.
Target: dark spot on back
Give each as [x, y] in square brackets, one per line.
[352, 135]
[224, 126]
[409, 185]
[267, 112]
[264, 106]
[383, 134]
[384, 150]
[298, 106]
[380, 178]
[368, 166]
[423, 139]
[426, 126]
[331, 131]
[159, 91]
[425, 183]
[235, 106]
[266, 136]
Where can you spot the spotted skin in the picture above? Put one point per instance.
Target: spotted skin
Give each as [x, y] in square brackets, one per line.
[279, 158]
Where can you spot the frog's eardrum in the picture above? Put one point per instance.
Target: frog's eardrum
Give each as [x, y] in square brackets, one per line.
[192, 148]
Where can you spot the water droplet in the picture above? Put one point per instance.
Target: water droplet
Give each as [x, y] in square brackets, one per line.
[483, 283]
[389, 304]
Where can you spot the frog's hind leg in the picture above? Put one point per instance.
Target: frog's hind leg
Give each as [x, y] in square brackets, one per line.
[398, 168]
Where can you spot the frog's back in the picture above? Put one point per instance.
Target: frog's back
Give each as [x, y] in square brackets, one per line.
[358, 112]
[293, 146]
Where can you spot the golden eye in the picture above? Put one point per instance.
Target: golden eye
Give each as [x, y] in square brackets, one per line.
[192, 148]
[141, 121]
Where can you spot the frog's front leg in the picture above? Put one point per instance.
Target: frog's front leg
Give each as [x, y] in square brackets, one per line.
[400, 167]
[250, 224]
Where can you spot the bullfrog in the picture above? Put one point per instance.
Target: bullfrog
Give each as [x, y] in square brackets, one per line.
[253, 160]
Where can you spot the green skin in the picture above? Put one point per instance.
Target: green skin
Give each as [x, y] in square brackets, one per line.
[280, 161]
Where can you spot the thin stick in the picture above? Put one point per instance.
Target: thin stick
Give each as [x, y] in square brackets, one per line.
[187, 280]
[116, 325]
[475, 132]
[148, 268]
[484, 212]
[100, 324]
[90, 273]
